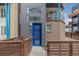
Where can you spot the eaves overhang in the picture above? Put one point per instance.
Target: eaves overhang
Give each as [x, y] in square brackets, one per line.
[53, 5]
[1, 4]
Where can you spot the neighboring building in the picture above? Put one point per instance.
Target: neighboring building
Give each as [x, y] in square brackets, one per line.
[68, 27]
[33, 18]
[11, 19]
[8, 20]
[75, 18]
[55, 28]
[2, 22]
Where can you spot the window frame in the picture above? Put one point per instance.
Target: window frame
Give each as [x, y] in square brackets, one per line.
[74, 30]
[34, 12]
[34, 16]
[3, 30]
[55, 15]
[48, 30]
[52, 15]
[75, 20]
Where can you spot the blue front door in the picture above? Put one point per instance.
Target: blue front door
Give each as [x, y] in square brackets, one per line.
[37, 34]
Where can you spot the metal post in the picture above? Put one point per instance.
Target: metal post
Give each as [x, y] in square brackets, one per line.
[58, 10]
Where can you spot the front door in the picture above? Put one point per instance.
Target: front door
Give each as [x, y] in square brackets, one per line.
[37, 34]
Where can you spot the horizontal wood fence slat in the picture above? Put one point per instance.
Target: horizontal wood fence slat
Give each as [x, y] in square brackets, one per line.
[72, 35]
[15, 47]
[63, 48]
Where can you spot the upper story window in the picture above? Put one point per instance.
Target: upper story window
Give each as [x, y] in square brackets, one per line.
[2, 12]
[53, 15]
[75, 28]
[34, 10]
[34, 18]
[75, 20]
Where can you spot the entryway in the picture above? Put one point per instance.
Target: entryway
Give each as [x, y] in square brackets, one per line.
[37, 34]
[38, 51]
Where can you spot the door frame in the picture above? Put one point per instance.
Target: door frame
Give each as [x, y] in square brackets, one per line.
[33, 24]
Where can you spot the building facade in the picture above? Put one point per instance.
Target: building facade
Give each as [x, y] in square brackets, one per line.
[33, 18]
[55, 29]
[75, 18]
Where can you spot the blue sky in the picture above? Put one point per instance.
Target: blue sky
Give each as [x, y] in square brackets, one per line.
[68, 10]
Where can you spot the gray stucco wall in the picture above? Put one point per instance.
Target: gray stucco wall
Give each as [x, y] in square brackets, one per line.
[25, 24]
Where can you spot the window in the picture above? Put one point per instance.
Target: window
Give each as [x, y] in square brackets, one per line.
[34, 10]
[30, 25]
[53, 15]
[34, 18]
[62, 15]
[75, 28]
[3, 30]
[50, 15]
[75, 20]
[2, 12]
[48, 27]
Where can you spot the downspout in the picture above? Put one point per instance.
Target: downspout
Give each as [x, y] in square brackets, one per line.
[7, 15]
[59, 14]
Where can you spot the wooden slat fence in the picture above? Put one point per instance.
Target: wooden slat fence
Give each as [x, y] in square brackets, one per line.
[72, 35]
[63, 48]
[15, 47]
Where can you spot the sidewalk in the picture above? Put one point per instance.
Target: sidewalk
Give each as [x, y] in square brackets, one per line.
[37, 51]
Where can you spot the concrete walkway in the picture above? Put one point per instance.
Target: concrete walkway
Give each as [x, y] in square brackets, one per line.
[38, 51]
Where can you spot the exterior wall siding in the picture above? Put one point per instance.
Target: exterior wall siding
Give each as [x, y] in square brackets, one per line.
[62, 31]
[14, 20]
[24, 25]
[57, 26]
[57, 32]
